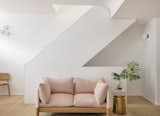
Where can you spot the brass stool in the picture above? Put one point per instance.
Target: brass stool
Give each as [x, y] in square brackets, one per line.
[119, 105]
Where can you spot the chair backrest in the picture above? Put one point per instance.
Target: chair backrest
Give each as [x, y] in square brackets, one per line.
[4, 76]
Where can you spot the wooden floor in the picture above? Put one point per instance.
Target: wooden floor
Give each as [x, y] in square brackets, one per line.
[13, 106]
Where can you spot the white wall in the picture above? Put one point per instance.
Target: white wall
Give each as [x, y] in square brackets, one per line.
[13, 50]
[158, 62]
[16, 69]
[101, 72]
[129, 46]
[126, 47]
[150, 86]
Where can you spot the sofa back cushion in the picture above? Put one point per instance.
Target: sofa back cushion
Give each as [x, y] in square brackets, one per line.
[84, 85]
[100, 92]
[61, 85]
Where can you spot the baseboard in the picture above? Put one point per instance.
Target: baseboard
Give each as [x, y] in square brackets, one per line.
[13, 93]
[150, 100]
[21, 94]
[157, 104]
[134, 94]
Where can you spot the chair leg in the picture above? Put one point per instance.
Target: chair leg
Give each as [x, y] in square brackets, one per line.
[9, 93]
[37, 112]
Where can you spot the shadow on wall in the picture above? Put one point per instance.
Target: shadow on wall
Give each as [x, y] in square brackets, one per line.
[127, 47]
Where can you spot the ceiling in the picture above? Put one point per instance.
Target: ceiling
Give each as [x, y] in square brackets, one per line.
[80, 2]
[26, 6]
[40, 6]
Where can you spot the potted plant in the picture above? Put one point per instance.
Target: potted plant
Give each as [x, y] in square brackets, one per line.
[129, 73]
[117, 77]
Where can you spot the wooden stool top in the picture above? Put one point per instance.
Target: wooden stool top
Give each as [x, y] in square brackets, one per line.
[4, 76]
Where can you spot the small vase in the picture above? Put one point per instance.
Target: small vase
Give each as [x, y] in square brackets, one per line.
[119, 86]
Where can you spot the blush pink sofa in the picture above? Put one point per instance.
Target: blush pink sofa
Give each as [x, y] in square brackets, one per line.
[73, 95]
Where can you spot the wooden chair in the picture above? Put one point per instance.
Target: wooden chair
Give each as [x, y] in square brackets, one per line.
[4, 81]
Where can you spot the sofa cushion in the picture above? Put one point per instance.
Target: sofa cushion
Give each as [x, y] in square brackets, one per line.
[101, 92]
[84, 85]
[44, 92]
[59, 100]
[61, 85]
[84, 100]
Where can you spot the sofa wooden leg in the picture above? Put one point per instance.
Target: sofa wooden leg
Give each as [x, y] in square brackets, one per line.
[37, 112]
[108, 112]
[9, 93]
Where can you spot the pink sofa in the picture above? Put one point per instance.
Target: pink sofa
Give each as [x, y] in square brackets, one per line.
[73, 95]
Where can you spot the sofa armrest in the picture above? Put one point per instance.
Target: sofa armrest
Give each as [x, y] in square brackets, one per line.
[44, 93]
[37, 98]
[109, 99]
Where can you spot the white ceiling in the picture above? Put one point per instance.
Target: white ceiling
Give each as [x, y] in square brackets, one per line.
[26, 6]
[40, 6]
[80, 2]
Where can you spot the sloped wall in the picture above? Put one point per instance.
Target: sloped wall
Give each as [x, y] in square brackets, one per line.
[129, 46]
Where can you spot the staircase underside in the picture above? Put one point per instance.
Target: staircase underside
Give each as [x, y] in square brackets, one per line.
[142, 10]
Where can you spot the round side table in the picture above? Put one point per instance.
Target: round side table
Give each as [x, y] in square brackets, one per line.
[119, 101]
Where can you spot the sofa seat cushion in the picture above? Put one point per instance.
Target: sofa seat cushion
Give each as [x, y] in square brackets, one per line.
[59, 100]
[85, 100]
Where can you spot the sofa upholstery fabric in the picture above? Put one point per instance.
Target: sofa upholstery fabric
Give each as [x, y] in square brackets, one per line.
[61, 85]
[66, 92]
[101, 92]
[84, 85]
[60, 100]
[84, 100]
[44, 92]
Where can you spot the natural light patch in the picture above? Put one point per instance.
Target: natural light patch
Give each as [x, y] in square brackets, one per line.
[114, 5]
[9, 50]
[56, 7]
[64, 8]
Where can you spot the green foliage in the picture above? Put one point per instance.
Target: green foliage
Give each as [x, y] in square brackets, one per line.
[129, 73]
[116, 76]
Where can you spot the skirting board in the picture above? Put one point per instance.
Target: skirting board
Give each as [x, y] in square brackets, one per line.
[13, 93]
[135, 94]
[150, 100]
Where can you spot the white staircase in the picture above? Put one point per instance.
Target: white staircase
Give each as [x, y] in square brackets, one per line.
[142, 10]
[113, 6]
[64, 16]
